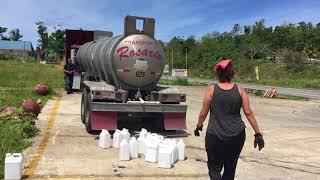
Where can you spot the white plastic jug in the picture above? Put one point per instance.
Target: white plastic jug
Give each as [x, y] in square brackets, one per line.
[151, 154]
[134, 147]
[142, 141]
[142, 145]
[117, 138]
[13, 166]
[175, 151]
[143, 132]
[104, 139]
[164, 156]
[125, 134]
[173, 146]
[124, 152]
[181, 149]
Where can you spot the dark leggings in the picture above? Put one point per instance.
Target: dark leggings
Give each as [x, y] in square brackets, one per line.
[223, 154]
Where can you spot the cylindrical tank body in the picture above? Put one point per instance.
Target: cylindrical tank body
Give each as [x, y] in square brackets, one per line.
[131, 62]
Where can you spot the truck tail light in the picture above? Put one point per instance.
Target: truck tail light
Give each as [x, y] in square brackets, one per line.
[182, 98]
[97, 93]
[118, 95]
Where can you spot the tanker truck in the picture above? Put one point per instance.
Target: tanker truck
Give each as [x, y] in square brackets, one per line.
[119, 82]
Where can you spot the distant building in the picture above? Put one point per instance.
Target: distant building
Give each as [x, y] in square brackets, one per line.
[16, 48]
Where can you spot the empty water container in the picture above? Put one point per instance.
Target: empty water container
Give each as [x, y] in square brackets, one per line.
[125, 134]
[143, 132]
[124, 152]
[152, 145]
[104, 139]
[181, 149]
[134, 147]
[141, 145]
[152, 152]
[13, 166]
[164, 155]
[142, 141]
[117, 138]
[173, 146]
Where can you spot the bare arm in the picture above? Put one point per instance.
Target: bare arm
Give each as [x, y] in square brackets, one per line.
[205, 105]
[248, 111]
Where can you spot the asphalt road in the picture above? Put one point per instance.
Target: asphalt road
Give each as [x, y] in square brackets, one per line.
[307, 93]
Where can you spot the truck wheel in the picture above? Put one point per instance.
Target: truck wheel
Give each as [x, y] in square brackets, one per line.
[83, 105]
[87, 122]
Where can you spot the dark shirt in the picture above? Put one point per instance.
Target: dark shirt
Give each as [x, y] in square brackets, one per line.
[69, 67]
[225, 120]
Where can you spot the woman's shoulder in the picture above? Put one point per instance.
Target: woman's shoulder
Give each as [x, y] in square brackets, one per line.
[240, 89]
[210, 89]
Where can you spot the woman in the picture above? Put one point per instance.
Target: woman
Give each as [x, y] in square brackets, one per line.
[225, 134]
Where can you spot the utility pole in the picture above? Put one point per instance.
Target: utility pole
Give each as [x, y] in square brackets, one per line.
[171, 62]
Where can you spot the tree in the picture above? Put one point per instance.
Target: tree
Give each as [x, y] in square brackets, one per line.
[15, 35]
[236, 30]
[247, 30]
[254, 46]
[43, 35]
[56, 42]
[2, 31]
[310, 52]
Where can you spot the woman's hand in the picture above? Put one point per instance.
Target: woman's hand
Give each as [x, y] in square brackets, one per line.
[196, 131]
[258, 140]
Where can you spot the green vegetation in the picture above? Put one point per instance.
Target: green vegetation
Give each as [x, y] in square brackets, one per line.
[13, 138]
[14, 34]
[283, 53]
[178, 81]
[51, 46]
[279, 75]
[17, 82]
[27, 75]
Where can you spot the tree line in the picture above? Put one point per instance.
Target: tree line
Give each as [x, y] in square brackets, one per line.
[293, 44]
[12, 35]
[50, 45]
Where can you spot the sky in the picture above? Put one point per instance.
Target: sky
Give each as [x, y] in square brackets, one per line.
[173, 17]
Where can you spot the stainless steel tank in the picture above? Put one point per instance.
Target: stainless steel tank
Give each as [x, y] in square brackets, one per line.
[131, 62]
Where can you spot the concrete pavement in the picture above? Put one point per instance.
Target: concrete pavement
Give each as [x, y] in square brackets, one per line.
[64, 150]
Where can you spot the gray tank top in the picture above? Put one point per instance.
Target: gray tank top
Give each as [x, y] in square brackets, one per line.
[225, 119]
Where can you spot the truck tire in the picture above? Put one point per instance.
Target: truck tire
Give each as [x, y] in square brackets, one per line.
[83, 104]
[87, 122]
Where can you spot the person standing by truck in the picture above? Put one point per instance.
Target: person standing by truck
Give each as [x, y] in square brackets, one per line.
[69, 70]
[225, 133]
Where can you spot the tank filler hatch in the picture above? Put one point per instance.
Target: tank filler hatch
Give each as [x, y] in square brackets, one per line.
[130, 26]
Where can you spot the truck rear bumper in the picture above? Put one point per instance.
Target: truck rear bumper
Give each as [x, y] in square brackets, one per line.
[124, 107]
[104, 115]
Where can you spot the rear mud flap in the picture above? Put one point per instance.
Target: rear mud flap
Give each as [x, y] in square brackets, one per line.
[104, 120]
[175, 121]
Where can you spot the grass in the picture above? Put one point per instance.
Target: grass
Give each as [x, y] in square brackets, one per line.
[27, 75]
[270, 74]
[17, 82]
[178, 81]
[15, 98]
